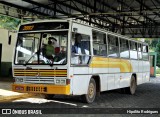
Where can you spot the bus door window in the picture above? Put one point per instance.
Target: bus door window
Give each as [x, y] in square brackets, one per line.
[99, 43]
[80, 50]
[133, 50]
[113, 46]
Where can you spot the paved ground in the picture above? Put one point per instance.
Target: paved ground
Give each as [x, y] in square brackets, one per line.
[147, 96]
[5, 85]
[6, 93]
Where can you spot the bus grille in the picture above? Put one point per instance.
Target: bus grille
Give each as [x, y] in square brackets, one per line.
[41, 72]
[39, 80]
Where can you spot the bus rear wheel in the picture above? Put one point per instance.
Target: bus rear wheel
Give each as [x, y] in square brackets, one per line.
[49, 96]
[91, 93]
[133, 85]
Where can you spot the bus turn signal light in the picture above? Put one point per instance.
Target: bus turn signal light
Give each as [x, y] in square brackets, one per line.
[67, 81]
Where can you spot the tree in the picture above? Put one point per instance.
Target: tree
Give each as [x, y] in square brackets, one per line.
[9, 22]
[158, 54]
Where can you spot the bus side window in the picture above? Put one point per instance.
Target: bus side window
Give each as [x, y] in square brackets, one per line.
[124, 48]
[99, 43]
[145, 52]
[140, 51]
[133, 50]
[113, 46]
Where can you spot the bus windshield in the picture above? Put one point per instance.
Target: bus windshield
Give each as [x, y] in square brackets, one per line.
[41, 48]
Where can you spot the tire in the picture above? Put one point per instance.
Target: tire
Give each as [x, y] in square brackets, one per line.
[132, 88]
[91, 93]
[49, 96]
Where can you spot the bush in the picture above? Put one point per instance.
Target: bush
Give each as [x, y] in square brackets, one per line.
[158, 71]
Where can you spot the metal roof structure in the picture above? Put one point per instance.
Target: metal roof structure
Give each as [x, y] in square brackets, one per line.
[135, 18]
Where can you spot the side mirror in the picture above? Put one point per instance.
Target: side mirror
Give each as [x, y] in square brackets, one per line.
[9, 39]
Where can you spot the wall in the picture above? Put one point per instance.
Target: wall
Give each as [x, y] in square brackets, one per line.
[7, 52]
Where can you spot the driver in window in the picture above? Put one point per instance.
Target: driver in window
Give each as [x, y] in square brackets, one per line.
[50, 50]
[77, 45]
[79, 48]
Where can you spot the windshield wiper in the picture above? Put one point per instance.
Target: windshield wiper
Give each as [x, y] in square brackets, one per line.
[30, 58]
[51, 64]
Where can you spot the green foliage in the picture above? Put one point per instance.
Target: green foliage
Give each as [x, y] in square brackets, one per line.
[158, 71]
[158, 53]
[154, 46]
[9, 22]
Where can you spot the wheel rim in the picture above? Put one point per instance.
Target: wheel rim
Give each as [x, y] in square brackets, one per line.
[91, 90]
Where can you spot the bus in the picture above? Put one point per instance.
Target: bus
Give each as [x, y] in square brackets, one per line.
[84, 61]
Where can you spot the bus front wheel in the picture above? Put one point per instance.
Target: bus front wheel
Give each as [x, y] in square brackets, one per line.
[91, 93]
[49, 96]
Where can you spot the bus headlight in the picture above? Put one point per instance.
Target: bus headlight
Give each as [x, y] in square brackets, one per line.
[60, 81]
[57, 81]
[19, 79]
[63, 81]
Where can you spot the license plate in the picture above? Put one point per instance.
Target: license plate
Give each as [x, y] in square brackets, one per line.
[20, 88]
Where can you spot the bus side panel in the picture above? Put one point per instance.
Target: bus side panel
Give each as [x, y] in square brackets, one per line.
[125, 80]
[140, 74]
[125, 75]
[99, 66]
[70, 76]
[102, 72]
[147, 76]
[117, 80]
[134, 65]
[139, 78]
[146, 71]
[80, 80]
[103, 82]
[80, 84]
[114, 68]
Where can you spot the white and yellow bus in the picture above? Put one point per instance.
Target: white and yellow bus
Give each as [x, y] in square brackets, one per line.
[85, 60]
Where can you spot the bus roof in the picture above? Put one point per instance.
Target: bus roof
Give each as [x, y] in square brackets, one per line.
[93, 27]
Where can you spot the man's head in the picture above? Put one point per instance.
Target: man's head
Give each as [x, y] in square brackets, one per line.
[49, 42]
[52, 39]
[78, 38]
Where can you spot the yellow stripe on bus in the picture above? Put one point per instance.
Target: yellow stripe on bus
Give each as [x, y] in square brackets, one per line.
[123, 65]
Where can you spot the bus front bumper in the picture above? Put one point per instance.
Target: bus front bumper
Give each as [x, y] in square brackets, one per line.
[41, 88]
